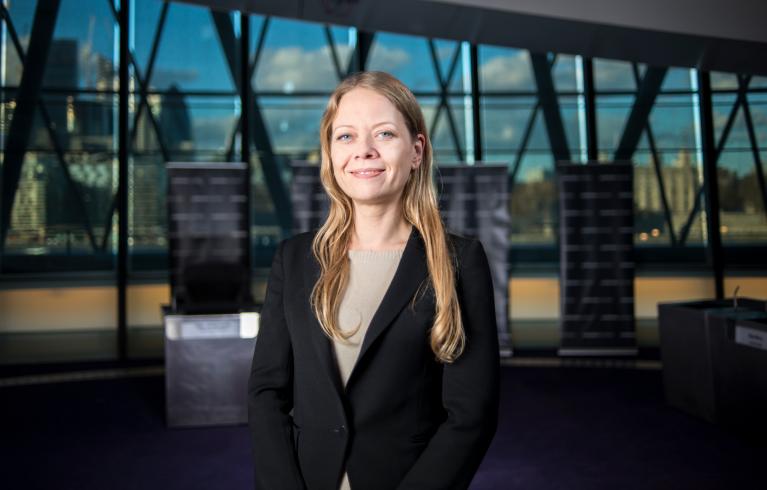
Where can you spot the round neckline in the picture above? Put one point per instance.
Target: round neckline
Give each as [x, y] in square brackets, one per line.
[370, 254]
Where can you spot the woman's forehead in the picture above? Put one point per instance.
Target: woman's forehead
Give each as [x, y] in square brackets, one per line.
[365, 106]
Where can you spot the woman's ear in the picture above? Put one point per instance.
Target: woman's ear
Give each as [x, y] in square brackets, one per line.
[418, 146]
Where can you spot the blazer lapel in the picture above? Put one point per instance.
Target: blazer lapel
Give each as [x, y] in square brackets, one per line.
[410, 273]
[322, 344]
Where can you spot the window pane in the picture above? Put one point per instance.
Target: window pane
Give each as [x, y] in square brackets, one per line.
[505, 69]
[407, 58]
[504, 122]
[189, 53]
[613, 75]
[534, 202]
[296, 57]
[61, 217]
[612, 113]
[293, 123]
[564, 73]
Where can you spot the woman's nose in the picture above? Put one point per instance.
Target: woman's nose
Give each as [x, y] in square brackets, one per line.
[366, 148]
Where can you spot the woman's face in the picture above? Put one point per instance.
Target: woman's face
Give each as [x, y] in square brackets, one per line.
[371, 149]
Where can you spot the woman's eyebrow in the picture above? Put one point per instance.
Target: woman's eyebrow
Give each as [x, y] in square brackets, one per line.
[382, 123]
[336, 128]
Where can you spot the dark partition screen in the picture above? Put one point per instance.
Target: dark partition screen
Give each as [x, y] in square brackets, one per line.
[474, 201]
[596, 229]
[308, 199]
[209, 237]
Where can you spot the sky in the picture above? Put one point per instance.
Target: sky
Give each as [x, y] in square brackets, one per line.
[296, 57]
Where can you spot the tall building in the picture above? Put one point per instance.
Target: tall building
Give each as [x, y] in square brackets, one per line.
[680, 179]
[28, 219]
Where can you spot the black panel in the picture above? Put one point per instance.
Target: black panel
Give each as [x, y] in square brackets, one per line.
[474, 201]
[209, 237]
[596, 259]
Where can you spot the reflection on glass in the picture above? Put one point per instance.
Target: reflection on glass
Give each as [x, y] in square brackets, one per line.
[741, 197]
[682, 177]
[673, 122]
[296, 57]
[534, 201]
[612, 113]
[564, 73]
[293, 124]
[505, 69]
[407, 58]
[189, 54]
[615, 75]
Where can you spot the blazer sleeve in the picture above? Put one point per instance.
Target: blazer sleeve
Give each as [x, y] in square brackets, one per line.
[469, 387]
[270, 392]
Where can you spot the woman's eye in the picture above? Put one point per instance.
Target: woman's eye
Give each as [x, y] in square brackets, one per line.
[386, 134]
[343, 137]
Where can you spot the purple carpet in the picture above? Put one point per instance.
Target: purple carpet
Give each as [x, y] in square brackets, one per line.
[560, 428]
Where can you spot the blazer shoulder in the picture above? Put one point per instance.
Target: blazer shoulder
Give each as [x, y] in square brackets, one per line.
[468, 253]
[460, 243]
[300, 242]
[295, 252]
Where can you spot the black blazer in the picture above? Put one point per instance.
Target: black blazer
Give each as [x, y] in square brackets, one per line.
[404, 421]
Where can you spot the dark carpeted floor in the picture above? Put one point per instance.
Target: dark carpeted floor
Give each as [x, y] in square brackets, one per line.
[560, 428]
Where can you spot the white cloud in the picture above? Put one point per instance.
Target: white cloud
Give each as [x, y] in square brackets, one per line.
[294, 68]
[388, 59]
[507, 72]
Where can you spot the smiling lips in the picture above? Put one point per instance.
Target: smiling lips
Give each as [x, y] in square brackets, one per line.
[367, 173]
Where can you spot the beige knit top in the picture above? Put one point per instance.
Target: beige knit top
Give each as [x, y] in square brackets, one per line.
[371, 273]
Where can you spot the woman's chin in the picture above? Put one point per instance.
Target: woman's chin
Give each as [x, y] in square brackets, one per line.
[373, 199]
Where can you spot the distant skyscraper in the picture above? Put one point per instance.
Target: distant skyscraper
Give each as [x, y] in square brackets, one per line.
[28, 216]
[175, 123]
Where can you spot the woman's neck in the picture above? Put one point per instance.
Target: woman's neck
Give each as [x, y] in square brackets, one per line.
[379, 229]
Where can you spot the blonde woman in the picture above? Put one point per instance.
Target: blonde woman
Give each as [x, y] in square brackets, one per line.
[376, 364]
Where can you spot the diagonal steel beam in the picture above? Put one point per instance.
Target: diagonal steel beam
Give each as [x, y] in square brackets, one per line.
[523, 145]
[754, 145]
[143, 84]
[710, 183]
[526, 137]
[251, 71]
[57, 148]
[657, 165]
[444, 83]
[333, 53]
[552, 116]
[640, 112]
[743, 82]
[269, 164]
[27, 99]
[740, 99]
[359, 57]
[143, 101]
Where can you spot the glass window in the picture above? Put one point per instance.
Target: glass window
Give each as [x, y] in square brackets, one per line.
[505, 70]
[617, 75]
[61, 216]
[407, 58]
[193, 114]
[743, 218]
[296, 57]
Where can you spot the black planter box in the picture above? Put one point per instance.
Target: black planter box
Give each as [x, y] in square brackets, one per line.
[709, 367]
[207, 363]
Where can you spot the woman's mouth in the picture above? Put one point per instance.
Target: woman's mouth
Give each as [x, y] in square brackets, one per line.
[367, 173]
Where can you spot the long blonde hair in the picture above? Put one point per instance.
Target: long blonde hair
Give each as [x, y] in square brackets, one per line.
[419, 207]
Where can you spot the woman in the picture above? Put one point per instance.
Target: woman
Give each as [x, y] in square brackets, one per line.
[376, 364]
